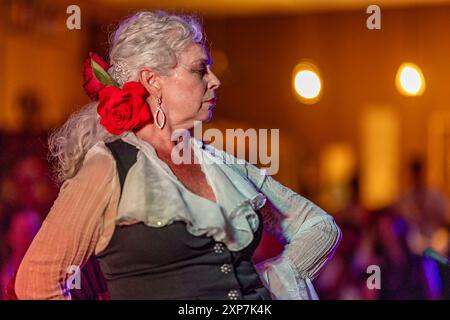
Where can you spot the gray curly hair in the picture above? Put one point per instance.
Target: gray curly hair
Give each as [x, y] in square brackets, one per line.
[147, 38]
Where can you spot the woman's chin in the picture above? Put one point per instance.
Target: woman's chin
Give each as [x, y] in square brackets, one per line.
[205, 116]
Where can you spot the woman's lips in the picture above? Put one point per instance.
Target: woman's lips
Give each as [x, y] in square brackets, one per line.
[213, 100]
[212, 103]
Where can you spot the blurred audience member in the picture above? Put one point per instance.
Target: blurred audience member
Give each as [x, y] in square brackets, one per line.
[426, 210]
[354, 213]
[23, 227]
[35, 186]
[26, 195]
[402, 272]
[392, 239]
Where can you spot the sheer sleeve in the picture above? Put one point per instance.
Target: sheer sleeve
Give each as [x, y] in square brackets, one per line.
[310, 236]
[72, 231]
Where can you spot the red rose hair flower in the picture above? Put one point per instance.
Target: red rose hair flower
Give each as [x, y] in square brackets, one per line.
[92, 85]
[120, 110]
[124, 109]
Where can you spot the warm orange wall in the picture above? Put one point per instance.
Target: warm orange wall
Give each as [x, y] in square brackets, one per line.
[358, 68]
[44, 60]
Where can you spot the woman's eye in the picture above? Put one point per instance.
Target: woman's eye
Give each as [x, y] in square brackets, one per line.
[201, 71]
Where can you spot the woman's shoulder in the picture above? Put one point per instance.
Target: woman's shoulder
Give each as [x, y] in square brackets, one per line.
[99, 151]
[98, 162]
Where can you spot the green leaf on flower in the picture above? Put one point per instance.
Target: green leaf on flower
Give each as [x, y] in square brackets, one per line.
[102, 75]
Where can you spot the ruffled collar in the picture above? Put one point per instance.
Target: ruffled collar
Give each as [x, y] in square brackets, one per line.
[153, 195]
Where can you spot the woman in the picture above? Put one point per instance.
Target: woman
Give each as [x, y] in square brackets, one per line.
[162, 230]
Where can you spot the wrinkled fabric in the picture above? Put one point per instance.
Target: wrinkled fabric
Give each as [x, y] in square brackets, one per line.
[152, 194]
[310, 234]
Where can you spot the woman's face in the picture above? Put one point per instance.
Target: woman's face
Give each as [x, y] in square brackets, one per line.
[188, 91]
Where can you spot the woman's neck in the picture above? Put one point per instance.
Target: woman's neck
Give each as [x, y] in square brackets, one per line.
[160, 139]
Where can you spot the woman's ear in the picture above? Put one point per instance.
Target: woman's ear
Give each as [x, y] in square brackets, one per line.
[150, 80]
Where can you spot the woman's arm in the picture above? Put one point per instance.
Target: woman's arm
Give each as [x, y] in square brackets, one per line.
[71, 231]
[310, 235]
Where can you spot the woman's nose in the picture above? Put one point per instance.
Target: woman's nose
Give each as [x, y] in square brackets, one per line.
[214, 82]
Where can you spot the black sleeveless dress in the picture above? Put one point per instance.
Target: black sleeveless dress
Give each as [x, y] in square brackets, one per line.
[142, 262]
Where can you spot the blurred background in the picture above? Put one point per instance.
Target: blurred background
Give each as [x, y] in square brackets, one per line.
[364, 119]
